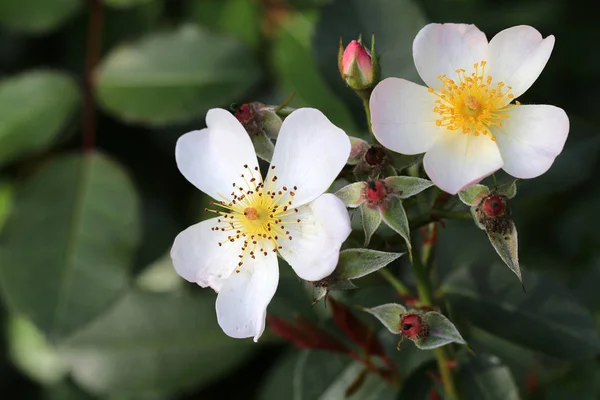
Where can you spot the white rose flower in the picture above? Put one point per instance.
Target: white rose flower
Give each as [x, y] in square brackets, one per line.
[287, 213]
[465, 122]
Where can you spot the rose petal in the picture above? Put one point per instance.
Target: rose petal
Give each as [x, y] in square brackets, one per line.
[459, 160]
[531, 138]
[517, 57]
[213, 158]
[440, 49]
[402, 116]
[242, 301]
[197, 256]
[315, 246]
[309, 154]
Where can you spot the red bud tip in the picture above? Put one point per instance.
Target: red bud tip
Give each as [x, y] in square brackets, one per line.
[494, 206]
[413, 326]
[375, 155]
[376, 192]
[493, 213]
[244, 114]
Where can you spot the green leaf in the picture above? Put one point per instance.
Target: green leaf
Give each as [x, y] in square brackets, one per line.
[371, 219]
[69, 242]
[160, 276]
[125, 3]
[297, 71]
[441, 332]
[548, 314]
[389, 315]
[65, 390]
[153, 345]
[486, 378]
[174, 76]
[352, 194]
[36, 16]
[239, 18]
[6, 200]
[394, 216]
[356, 263]
[32, 114]
[32, 354]
[407, 186]
[472, 195]
[320, 375]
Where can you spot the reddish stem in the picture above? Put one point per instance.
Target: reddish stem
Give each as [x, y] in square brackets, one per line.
[92, 57]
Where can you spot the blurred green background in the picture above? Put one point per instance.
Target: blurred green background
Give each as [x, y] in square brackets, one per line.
[91, 308]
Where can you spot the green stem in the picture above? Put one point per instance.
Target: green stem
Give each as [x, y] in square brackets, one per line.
[426, 299]
[365, 100]
[285, 111]
[395, 282]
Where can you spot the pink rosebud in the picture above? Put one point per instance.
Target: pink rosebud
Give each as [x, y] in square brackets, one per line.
[356, 51]
[357, 66]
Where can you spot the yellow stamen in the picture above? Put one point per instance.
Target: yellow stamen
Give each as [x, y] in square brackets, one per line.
[256, 214]
[473, 105]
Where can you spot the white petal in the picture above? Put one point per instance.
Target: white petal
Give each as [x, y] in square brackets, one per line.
[531, 138]
[517, 56]
[197, 256]
[459, 160]
[310, 153]
[213, 158]
[314, 249]
[440, 49]
[402, 116]
[243, 299]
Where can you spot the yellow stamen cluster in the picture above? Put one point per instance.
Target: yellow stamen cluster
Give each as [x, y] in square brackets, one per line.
[255, 214]
[472, 105]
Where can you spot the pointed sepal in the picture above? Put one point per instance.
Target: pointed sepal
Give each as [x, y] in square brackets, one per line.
[353, 195]
[406, 186]
[371, 219]
[472, 195]
[440, 332]
[394, 216]
[389, 315]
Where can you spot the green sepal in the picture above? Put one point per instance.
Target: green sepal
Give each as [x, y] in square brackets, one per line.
[472, 195]
[389, 315]
[394, 216]
[371, 219]
[507, 246]
[406, 186]
[441, 331]
[352, 194]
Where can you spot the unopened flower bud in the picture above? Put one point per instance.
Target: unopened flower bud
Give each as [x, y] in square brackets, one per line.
[376, 193]
[413, 326]
[259, 118]
[358, 66]
[375, 156]
[493, 213]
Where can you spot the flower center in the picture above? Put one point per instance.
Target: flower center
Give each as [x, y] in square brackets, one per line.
[472, 105]
[256, 214]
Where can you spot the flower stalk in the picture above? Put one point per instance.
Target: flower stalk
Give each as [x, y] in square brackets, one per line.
[426, 299]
